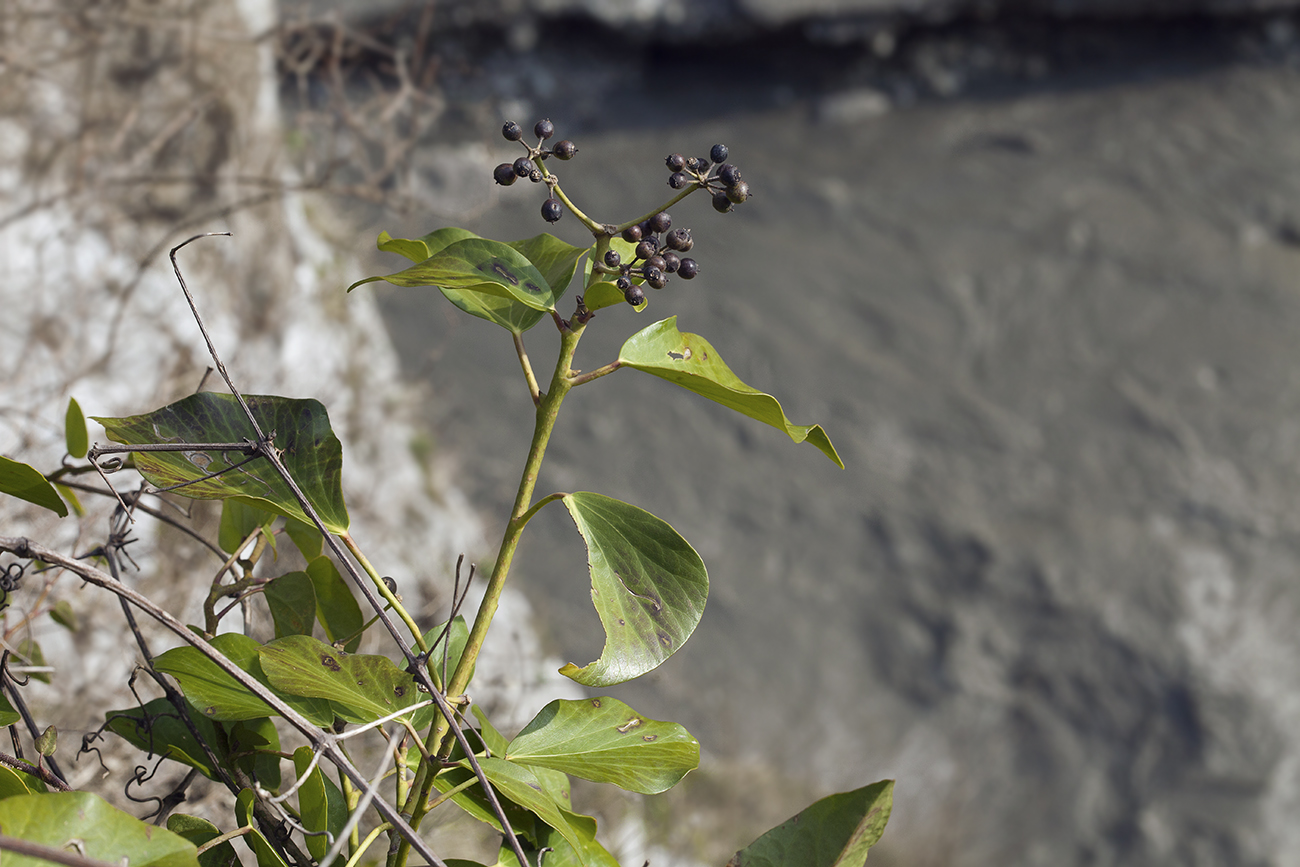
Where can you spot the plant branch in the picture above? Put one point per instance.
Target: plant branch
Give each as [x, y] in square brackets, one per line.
[595, 374]
[533, 389]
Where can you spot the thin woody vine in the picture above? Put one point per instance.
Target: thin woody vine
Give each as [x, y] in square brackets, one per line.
[277, 716]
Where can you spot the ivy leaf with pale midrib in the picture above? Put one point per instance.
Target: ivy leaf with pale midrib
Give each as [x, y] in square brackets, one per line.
[605, 741]
[310, 451]
[554, 259]
[648, 584]
[691, 361]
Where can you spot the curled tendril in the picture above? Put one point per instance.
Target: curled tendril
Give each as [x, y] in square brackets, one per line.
[7, 675]
[142, 775]
[10, 577]
[87, 740]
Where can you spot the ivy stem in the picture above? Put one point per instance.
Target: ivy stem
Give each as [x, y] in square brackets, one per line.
[547, 412]
[595, 374]
[382, 587]
[533, 388]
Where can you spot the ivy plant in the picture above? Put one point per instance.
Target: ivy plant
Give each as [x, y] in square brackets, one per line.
[227, 700]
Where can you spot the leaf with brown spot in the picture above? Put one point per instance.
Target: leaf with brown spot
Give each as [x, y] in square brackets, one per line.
[362, 687]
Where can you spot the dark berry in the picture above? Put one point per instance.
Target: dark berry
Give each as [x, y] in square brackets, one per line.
[677, 180]
[654, 278]
[523, 166]
[721, 203]
[612, 259]
[623, 283]
[535, 176]
[632, 234]
[675, 162]
[656, 261]
[688, 269]
[703, 164]
[544, 129]
[660, 222]
[634, 295]
[680, 240]
[512, 131]
[729, 174]
[552, 210]
[671, 262]
[719, 153]
[565, 150]
[696, 165]
[738, 193]
[647, 248]
[504, 174]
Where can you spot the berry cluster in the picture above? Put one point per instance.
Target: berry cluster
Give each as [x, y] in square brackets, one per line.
[726, 185]
[654, 259]
[524, 167]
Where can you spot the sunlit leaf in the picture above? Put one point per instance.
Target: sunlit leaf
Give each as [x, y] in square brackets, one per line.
[26, 483]
[522, 786]
[481, 266]
[320, 803]
[561, 853]
[362, 687]
[647, 583]
[836, 831]
[690, 361]
[70, 497]
[311, 452]
[200, 831]
[17, 783]
[105, 833]
[604, 740]
[336, 607]
[292, 601]
[218, 696]
[74, 430]
[495, 741]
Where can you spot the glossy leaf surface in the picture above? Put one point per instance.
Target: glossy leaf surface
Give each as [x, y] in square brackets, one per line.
[218, 696]
[691, 361]
[522, 786]
[480, 266]
[604, 740]
[647, 583]
[836, 831]
[312, 454]
[106, 834]
[26, 483]
[17, 783]
[362, 687]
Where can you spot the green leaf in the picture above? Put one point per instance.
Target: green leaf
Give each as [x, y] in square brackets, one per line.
[836, 831]
[26, 483]
[156, 729]
[305, 537]
[690, 361]
[106, 834]
[292, 601]
[336, 607]
[554, 259]
[473, 802]
[562, 853]
[320, 803]
[312, 454]
[70, 497]
[254, 745]
[238, 520]
[604, 293]
[218, 696]
[266, 854]
[362, 687]
[450, 649]
[63, 615]
[16, 783]
[522, 786]
[29, 654]
[8, 716]
[604, 740]
[74, 430]
[200, 831]
[647, 583]
[495, 741]
[481, 266]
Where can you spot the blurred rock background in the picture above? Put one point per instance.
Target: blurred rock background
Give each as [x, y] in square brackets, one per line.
[1033, 265]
